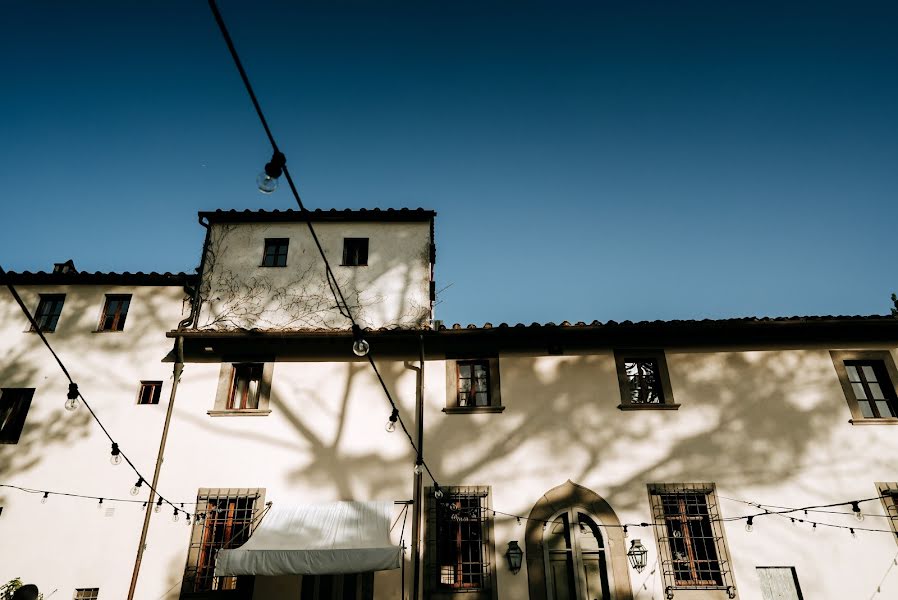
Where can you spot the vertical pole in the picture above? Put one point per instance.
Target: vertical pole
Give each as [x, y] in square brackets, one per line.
[419, 478]
[178, 369]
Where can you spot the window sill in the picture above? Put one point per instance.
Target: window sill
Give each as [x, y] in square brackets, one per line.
[272, 266]
[245, 412]
[648, 406]
[365, 265]
[42, 331]
[463, 410]
[872, 421]
[108, 331]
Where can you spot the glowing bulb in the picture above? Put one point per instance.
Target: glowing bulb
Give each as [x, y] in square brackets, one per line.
[418, 469]
[136, 489]
[267, 184]
[44, 499]
[855, 507]
[749, 525]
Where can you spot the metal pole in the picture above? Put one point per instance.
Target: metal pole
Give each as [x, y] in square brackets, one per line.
[419, 478]
[178, 369]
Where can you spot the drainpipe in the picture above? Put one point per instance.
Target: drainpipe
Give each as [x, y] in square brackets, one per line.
[419, 478]
[141, 546]
[194, 316]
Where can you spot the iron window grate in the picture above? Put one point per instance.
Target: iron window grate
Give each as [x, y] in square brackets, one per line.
[459, 540]
[643, 381]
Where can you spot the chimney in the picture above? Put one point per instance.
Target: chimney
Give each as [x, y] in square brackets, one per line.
[65, 267]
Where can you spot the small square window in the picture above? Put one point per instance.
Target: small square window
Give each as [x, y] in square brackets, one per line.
[48, 310]
[245, 387]
[867, 381]
[643, 378]
[355, 252]
[149, 392]
[14, 405]
[115, 311]
[275, 252]
[87, 594]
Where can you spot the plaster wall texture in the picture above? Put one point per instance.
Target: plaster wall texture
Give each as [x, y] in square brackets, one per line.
[392, 289]
[768, 426]
[69, 543]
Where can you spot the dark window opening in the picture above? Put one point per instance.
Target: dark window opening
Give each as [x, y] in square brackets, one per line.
[87, 594]
[245, 387]
[115, 311]
[275, 252]
[473, 383]
[48, 310]
[461, 541]
[644, 381]
[349, 586]
[872, 389]
[149, 392]
[14, 405]
[355, 252]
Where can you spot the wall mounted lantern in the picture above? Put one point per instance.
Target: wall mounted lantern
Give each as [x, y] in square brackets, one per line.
[638, 555]
[515, 556]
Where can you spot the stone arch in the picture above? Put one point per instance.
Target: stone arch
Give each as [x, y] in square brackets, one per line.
[572, 495]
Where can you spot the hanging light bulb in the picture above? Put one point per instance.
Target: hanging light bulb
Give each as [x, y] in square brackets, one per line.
[437, 492]
[391, 423]
[144, 507]
[853, 534]
[749, 525]
[116, 458]
[187, 517]
[44, 499]
[856, 509]
[814, 528]
[158, 506]
[100, 504]
[72, 402]
[136, 489]
[625, 532]
[359, 346]
[418, 468]
[268, 179]
[174, 516]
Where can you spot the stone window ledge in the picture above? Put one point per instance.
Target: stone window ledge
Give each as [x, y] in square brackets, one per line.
[872, 421]
[648, 406]
[464, 410]
[246, 412]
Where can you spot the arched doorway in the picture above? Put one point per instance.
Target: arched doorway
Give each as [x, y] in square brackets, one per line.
[571, 557]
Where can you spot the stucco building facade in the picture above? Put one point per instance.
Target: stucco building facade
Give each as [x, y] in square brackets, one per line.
[548, 437]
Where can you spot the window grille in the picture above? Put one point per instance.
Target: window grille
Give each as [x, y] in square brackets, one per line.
[473, 383]
[87, 594]
[229, 520]
[458, 540]
[48, 310]
[690, 537]
[115, 311]
[275, 254]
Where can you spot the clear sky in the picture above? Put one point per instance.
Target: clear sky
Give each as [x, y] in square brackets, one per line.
[597, 160]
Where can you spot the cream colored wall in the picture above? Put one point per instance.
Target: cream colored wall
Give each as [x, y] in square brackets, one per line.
[764, 426]
[67, 543]
[393, 289]
[768, 426]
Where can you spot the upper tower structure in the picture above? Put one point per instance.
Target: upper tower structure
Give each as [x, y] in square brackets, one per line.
[262, 270]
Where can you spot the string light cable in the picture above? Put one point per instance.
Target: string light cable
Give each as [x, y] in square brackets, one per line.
[894, 563]
[278, 166]
[854, 513]
[117, 455]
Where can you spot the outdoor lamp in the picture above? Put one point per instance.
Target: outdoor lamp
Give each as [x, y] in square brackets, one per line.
[268, 179]
[637, 555]
[359, 346]
[515, 555]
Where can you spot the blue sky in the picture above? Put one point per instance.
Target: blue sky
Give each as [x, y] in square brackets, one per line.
[602, 160]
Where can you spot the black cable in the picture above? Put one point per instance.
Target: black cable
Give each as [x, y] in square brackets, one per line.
[342, 305]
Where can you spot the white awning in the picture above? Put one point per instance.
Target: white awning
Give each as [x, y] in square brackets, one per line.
[317, 539]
